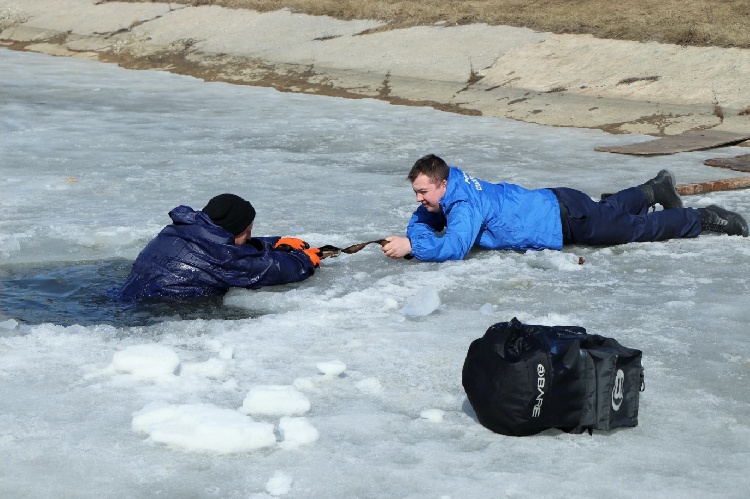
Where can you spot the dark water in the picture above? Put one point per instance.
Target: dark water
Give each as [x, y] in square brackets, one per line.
[81, 293]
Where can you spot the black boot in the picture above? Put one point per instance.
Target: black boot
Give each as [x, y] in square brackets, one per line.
[717, 219]
[661, 189]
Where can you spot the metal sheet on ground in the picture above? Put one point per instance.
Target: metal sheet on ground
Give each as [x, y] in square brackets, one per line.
[688, 141]
[738, 163]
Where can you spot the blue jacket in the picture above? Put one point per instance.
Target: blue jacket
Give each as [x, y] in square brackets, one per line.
[194, 257]
[492, 216]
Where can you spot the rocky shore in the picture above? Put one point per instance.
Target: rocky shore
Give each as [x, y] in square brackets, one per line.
[559, 80]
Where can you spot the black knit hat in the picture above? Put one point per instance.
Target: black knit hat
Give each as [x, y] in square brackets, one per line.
[230, 212]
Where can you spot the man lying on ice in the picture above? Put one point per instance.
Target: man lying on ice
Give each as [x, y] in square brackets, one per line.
[508, 217]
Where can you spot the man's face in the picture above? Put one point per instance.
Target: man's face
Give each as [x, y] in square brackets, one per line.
[244, 235]
[428, 193]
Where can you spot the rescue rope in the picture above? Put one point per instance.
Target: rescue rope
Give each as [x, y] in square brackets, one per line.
[329, 250]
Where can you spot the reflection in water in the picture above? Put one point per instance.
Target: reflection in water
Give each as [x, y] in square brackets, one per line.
[81, 293]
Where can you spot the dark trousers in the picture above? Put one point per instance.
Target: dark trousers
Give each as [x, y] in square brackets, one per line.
[621, 218]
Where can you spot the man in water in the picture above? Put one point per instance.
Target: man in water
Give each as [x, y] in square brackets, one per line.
[506, 216]
[209, 251]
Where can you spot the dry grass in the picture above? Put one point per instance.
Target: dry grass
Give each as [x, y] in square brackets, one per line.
[723, 23]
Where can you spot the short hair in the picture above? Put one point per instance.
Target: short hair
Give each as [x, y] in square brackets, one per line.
[432, 167]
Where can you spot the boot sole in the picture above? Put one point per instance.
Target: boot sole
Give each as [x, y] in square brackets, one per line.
[734, 220]
[672, 186]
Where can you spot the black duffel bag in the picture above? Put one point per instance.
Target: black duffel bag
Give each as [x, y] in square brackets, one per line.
[523, 379]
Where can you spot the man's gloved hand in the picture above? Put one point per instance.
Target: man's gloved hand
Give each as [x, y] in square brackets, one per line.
[314, 255]
[290, 244]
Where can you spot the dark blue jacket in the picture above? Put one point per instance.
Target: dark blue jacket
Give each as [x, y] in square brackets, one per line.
[492, 216]
[195, 257]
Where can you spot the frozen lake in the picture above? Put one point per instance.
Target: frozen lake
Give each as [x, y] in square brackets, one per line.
[343, 392]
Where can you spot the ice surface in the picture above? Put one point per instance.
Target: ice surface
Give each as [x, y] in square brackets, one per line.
[92, 157]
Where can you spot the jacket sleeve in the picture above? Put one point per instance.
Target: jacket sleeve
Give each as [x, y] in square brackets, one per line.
[264, 243]
[463, 223]
[249, 267]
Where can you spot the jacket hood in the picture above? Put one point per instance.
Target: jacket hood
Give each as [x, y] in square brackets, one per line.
[185, 215]
[197, 225]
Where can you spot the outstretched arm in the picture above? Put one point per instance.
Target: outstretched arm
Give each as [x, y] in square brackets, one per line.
[463, 224]
[400, 246]
[254, 269]
[397, 247]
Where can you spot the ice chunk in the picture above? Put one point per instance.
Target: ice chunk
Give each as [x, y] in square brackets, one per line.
[279, 484]
[331, 368]
[296, 432]
[432, 415]
[9, 324]
[203, 427]
[212, 368]
[487, 309]
[305, 384]
[424, 303]
[226, 353]
[146, 361]
[275, 400]
[369, 385]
